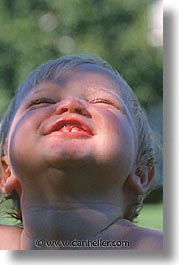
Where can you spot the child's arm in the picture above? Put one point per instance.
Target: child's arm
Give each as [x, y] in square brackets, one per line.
[10, 237]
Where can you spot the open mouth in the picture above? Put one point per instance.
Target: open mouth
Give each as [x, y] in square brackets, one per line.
[72, 127]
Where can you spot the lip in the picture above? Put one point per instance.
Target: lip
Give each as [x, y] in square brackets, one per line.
[83, 128]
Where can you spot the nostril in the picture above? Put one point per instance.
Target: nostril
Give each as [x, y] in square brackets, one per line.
[72, 105]
[79, 111]
[61, 109]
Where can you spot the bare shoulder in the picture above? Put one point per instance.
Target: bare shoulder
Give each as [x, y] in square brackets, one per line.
[145, 238]
[140, 237]
[10, 237]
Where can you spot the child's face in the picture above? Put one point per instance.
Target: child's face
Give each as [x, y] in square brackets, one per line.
[78, 119]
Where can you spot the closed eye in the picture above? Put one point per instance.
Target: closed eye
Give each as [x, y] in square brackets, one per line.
[103, 101]
[41, 101]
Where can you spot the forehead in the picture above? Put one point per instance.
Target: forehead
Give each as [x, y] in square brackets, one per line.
[84, 77]
[91, 76]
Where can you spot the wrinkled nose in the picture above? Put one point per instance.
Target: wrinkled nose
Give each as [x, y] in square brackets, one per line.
[72, 105]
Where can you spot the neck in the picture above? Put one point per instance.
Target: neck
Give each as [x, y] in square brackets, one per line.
[67, 222]
[58, 213]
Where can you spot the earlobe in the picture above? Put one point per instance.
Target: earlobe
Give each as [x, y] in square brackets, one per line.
[141, 180]
[8, 181]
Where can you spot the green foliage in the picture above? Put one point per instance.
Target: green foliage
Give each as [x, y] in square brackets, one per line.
[35, 31]
[151, 216]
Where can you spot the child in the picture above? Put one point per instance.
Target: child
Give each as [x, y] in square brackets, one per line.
[77, 153]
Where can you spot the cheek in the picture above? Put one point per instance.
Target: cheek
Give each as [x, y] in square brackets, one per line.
[116, 140]
[21, 144]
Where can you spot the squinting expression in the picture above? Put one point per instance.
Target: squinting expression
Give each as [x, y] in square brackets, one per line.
[78, 118]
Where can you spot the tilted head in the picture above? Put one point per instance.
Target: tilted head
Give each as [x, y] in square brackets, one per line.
[147, 150]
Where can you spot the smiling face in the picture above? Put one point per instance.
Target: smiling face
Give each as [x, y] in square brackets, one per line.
[79, 119]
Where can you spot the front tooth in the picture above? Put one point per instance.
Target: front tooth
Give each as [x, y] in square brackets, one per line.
[75, 129]
[66, 129]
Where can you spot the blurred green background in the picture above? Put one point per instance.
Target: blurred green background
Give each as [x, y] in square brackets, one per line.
[126, 33]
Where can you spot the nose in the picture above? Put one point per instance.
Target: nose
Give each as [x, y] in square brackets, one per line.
[72, 105]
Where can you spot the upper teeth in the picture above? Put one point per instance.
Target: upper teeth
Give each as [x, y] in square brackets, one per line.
[70, 128]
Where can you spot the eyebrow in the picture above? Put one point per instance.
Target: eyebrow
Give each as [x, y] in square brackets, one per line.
[123, 105]
[91, 88]
[41, 87]
[105, 90]
[95, 89]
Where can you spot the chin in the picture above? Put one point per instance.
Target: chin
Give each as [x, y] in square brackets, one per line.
[67, 156]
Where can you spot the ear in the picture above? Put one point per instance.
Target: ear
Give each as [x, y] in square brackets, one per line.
[8, 181]
[141, 180]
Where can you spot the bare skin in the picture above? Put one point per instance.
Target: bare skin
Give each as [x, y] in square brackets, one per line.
[131, 236]
[72, 181]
